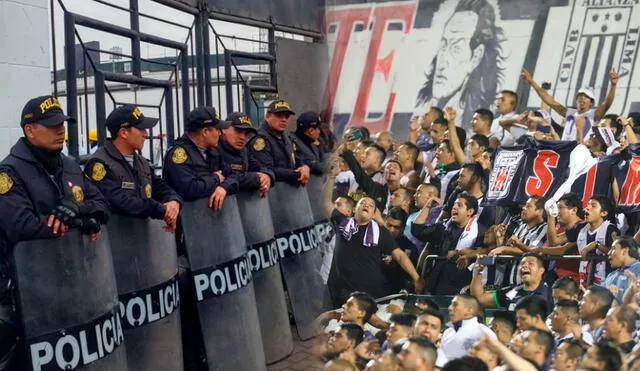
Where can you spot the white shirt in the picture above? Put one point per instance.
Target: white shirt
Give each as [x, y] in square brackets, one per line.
[570, 132]
[504, 136]
[347, 177]
[456, 344]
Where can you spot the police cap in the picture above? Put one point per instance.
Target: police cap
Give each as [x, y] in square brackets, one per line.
[129, 116]
[241, 121]
[278, 106]
[308, 119]
[44, 110]
[205, 117]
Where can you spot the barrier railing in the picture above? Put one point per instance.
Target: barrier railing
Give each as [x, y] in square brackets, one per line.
[590, 274]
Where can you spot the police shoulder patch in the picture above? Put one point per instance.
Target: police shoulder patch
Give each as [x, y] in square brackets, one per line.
[179, 156]
[259, 144]
[148, 190]
[98, 171]
[6, 183]
[77, 193]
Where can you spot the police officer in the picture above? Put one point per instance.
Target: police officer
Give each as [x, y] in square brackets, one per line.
[43, 193]
[274, 149]
[307, 144]
[125, 177]
[251, 174]
[193, 166]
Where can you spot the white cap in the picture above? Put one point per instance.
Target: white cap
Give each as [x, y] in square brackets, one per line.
[588, 91]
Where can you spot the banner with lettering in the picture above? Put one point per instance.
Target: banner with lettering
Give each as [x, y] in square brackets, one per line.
[391, 60]
[628, 177]
[536, 168]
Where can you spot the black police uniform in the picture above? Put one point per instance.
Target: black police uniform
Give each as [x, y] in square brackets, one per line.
[131, 190]
[276, 151]
[34, 182]
[189, 170]
[245, 166]
[306, 149]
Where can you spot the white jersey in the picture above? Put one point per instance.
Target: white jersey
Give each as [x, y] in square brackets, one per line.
[504, 136]
[456, 343]
[569, 132]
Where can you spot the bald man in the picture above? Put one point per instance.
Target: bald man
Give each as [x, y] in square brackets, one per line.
[385, 141]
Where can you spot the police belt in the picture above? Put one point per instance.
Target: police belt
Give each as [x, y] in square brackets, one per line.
[139, 308]
[266, 254]
[76, 346]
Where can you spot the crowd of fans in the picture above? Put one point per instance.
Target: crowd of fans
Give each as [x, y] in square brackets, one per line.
[410, 214]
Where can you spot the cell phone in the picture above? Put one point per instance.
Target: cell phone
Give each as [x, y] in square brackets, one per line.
[543, 129]
[546, 85]
[488, 261]
[356, 134]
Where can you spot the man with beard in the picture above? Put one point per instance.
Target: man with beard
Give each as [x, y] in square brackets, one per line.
[446, 239]
[250, 173]
[578, 122]
[531, 270]
[464, 72]
[357, 262]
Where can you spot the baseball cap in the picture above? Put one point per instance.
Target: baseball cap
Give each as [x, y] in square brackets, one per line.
[129, 116]
[205, 117]
[280, 105]
[588, 92]
[45, 110]
[241, 121]
[308, 119]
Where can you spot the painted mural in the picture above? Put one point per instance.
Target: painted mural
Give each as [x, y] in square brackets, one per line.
[392, 60]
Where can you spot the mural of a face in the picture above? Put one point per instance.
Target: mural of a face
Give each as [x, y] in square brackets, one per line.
[454, 60]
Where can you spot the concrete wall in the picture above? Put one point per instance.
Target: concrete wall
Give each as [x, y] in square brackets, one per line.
[24, 62]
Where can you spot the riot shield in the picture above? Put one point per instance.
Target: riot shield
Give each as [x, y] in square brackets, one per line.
[267, 279]
[300, 261]
[66, 290]
[146, 266]
[217, 253]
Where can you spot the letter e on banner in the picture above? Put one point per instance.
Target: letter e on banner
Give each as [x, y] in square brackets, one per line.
[542, 180]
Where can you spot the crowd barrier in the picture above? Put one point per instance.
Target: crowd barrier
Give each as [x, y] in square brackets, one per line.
[516, 259]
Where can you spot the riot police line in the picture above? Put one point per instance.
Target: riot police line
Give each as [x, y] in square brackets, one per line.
[93, 337]
[113, 267]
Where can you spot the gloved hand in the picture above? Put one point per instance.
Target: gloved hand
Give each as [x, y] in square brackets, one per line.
[66, 211]
[89, 226]
[551, 207]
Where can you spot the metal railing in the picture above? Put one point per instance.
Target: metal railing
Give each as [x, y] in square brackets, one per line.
[517, 258]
